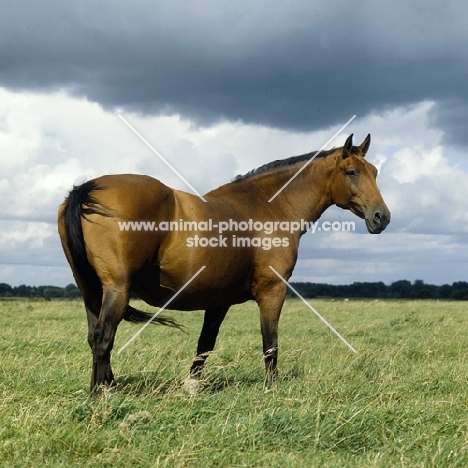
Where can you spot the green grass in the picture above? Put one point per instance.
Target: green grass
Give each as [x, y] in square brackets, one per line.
[400, 401]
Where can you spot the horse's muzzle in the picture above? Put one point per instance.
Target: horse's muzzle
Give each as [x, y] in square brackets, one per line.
[378, 221]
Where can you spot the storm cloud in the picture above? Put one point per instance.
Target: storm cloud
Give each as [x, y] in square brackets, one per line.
[296, 65]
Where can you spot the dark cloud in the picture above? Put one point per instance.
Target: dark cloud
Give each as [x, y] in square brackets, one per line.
[297, 65]
[451, 114]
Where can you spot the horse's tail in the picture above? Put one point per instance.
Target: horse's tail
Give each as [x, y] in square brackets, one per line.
[80, 203]
[137, 316]
[77, 205]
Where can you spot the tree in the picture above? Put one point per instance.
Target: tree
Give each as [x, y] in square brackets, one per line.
[22, 290]
[461, 295]
[445, 291]
[5, 290]
[400, 289]
[53, 291]
[72, 291]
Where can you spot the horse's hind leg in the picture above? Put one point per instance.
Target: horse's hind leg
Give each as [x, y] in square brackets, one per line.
[206, 342]
[102, 330]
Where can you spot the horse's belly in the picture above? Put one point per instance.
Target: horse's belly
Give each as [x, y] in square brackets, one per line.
[181, 291]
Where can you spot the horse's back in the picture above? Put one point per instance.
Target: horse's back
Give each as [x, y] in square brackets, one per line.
[133, 196]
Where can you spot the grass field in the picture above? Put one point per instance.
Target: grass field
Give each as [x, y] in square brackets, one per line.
[400, 401]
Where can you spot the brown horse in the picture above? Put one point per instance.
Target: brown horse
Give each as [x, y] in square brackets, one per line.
[111, 257]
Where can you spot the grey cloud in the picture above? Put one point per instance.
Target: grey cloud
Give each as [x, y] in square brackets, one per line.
[452, 114]
[299, 65]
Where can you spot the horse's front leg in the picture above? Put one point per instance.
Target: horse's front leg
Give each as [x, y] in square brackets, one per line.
[270, 301]
[206, 343]
[211, 324]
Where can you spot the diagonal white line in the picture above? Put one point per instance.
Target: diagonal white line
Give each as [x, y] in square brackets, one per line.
[158, 154]
[313, 310]
[161, 309]
[311, 159]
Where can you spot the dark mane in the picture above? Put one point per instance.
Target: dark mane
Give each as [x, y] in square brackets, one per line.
[281, 163]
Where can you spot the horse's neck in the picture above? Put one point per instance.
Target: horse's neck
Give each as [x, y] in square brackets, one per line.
[307, 196]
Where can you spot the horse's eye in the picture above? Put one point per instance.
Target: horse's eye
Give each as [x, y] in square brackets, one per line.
[350, 172]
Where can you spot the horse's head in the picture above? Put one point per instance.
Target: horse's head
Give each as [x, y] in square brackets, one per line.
[354, 186]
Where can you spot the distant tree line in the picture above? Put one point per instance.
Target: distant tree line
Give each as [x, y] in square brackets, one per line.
[49, 292]
[402, 289]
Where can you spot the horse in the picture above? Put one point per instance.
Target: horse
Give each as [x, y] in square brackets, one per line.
[160, 261]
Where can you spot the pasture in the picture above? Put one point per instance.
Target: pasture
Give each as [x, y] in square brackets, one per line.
[400, 401]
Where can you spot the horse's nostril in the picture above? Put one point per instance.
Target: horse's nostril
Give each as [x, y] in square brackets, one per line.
[377, 217]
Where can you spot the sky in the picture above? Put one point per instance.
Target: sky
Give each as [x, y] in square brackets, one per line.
[219, 88]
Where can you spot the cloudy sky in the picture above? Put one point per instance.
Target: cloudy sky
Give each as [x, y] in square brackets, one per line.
[219, 88]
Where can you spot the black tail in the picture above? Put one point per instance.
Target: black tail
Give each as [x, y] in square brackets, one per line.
[137, 316]
[80, 203]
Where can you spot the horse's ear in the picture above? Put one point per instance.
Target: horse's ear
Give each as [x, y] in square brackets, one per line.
[348, 146]
[364, 147]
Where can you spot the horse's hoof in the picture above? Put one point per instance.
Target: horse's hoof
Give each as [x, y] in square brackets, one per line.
[191, 385]
[103, 391]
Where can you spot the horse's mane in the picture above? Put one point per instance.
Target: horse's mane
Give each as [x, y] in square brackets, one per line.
[279, 163]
